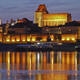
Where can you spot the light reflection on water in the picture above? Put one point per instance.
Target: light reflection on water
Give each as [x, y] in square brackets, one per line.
[39, 65]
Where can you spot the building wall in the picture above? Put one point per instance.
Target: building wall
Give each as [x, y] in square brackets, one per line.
[24, 38]
[0, 37]
[17, 30]
[69, 37]
[55, 19]
[51, 19]
[43, 18]
[70, 29]
[1, 29]
[39, 18]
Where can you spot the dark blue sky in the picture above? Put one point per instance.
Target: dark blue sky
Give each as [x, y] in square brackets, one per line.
[25, 8]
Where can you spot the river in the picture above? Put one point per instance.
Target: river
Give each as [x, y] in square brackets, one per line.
[54, 65]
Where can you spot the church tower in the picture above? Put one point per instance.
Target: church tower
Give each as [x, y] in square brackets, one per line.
[41, 10]
[0, 21]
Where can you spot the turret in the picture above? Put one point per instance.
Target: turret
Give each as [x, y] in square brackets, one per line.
[39, 14]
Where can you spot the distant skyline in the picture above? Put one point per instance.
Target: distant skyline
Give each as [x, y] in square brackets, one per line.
[26, 8]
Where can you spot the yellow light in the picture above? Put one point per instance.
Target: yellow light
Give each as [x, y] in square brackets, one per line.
[33, 39]
[63, 39]
[17, 40]
[8, 57]
[7, 40]
[13, 40]
[40, 40]
[59, 20]
[52, 39]
[68, 39]
[8, 62]
[18, 58]
[73, 39]
[0, 40]
[13, 58]
[23, 40]
[44, 39]
[28, 39]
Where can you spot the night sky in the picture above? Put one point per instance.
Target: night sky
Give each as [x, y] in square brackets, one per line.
[25, 8]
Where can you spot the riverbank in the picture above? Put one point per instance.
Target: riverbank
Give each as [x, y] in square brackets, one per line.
[39, 47]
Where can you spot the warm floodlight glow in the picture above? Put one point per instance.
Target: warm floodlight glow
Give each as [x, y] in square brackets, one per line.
[33, 39]
[13, 40]
[7, 40]
[17, 40]
[63, 39]
[28, 39]
[23, 40]
[68, 39]
[73, 39]
[0, 40]
[60, 20]
[8, 57]
[52, 39]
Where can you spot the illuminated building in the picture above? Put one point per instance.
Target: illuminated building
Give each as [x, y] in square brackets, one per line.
[1, 30]
[0, 21]
[63, 34]
[25, 31]
[25, 38]
[22, 20]
[43, 18]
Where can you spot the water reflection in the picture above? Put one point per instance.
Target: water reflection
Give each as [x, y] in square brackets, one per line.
[39, 65]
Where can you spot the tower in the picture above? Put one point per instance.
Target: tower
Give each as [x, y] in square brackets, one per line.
[41, 10]
[6, 27]
[0, 21]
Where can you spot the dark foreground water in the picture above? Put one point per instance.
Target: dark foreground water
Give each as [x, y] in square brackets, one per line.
[40, 65]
